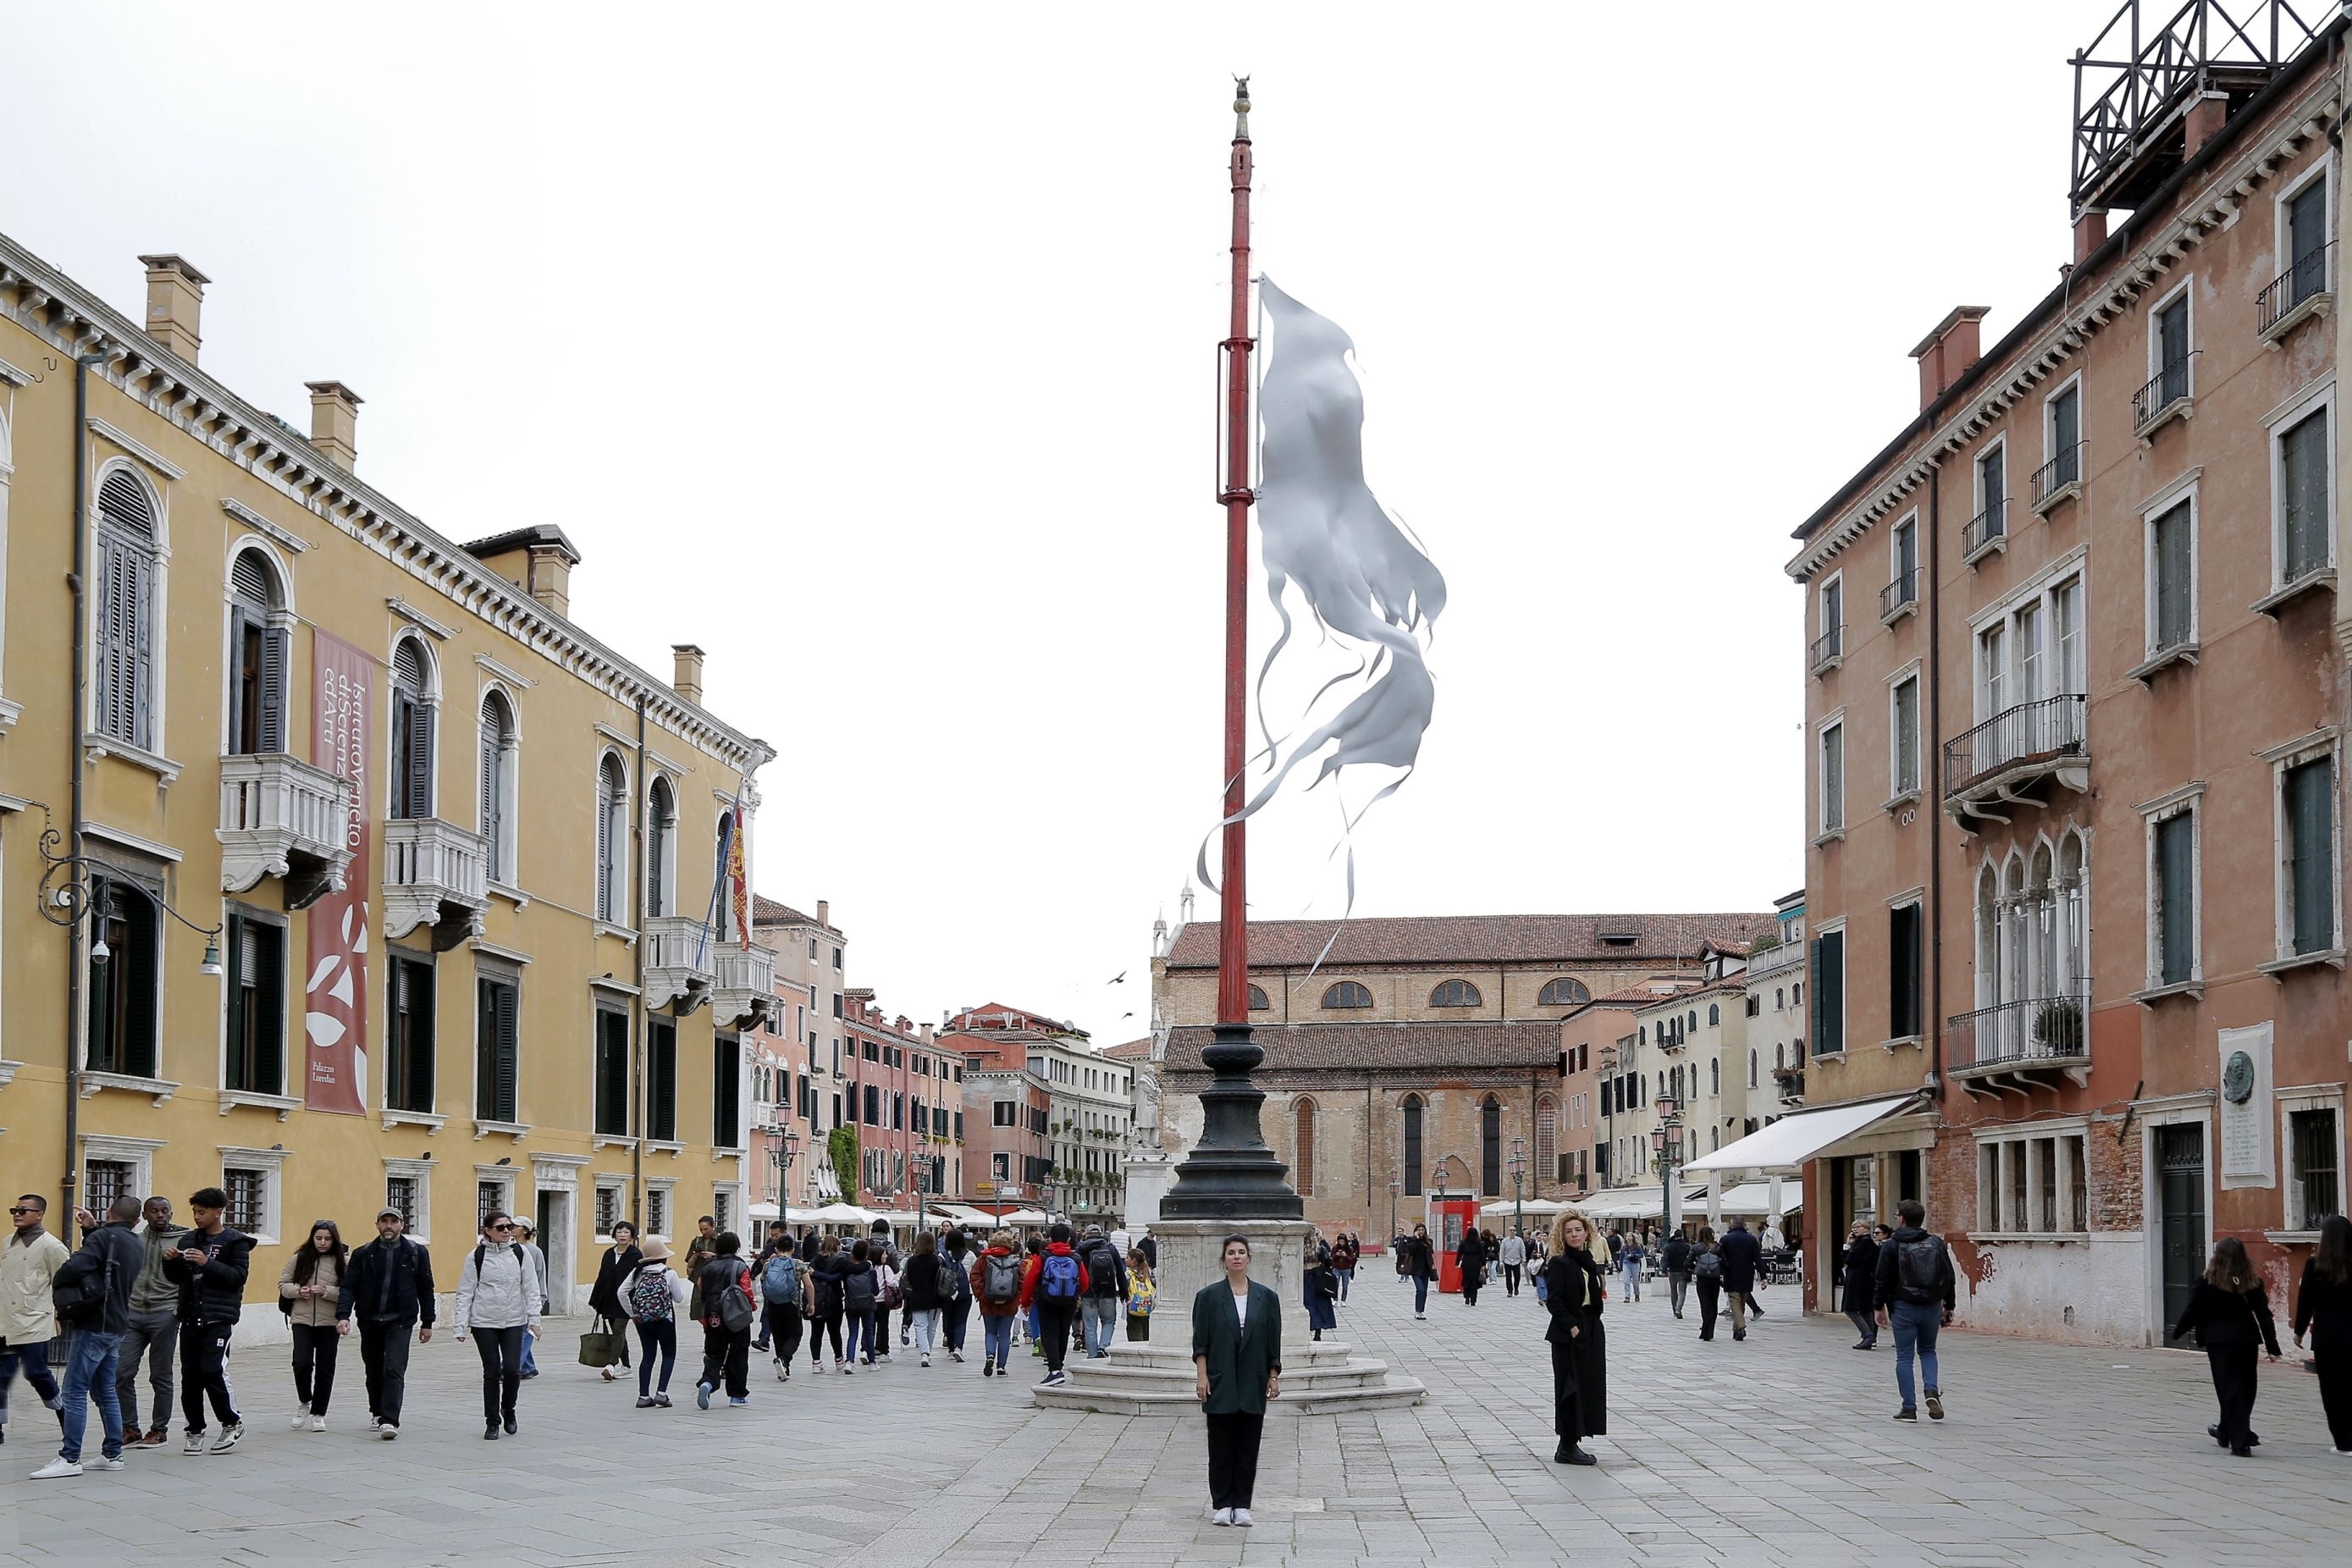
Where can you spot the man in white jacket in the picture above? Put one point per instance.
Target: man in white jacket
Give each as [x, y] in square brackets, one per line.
[29, 1262]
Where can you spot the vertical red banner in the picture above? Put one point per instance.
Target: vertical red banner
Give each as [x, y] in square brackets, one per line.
[334, 999]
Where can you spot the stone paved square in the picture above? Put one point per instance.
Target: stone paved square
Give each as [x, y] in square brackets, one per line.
[1778, 1450]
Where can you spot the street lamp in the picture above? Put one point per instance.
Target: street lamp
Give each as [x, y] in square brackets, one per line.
[1519, 1181]
[920, 1170]
[1666, 1146]
[788, 1149]
[1394, 1188]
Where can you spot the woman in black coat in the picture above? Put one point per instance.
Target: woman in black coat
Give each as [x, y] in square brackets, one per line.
[1861, 1283]
[2230, 1313]
[1574, 1290]
[620, 1261]
[1472, 1258]
[2323, 1309]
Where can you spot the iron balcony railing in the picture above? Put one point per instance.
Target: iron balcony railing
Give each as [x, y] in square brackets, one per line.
[2308, 277]
[1986, 526]
[2030, 731]
[1904, 590]
[2165, 388]
[1829, 644]
[2058, 473]
[2009, 1034]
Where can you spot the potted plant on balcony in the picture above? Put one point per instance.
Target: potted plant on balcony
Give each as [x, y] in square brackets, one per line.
[2058, 1027]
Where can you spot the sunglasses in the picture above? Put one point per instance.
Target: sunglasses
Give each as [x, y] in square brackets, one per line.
[502, 1227]
[24, 1211]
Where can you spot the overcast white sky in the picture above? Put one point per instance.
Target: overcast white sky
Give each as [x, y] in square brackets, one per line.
[872, 348]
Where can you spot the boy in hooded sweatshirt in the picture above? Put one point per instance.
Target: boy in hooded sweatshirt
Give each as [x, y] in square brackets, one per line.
[1054, 1286]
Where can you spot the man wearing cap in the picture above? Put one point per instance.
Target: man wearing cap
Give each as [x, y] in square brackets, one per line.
[387, 1289]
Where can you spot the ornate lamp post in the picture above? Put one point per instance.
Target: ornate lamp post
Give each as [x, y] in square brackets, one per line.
[1666, 1152]
[1519, 1181]
[918, 1172]
[788, 1149]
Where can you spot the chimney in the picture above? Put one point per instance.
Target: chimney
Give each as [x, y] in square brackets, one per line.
[550, 575]
[2090, 232]
[175, 303]
[2205, 117]
[687, 681]
[334, 422]
[1946, 353]
[824, 913]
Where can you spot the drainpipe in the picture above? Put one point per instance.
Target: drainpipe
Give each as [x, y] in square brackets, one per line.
[77, 688]
[637, 1003]
[1933, 719]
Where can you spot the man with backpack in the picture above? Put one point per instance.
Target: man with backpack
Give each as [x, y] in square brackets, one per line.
[1054, 1286]
[1740, 1251]
[387, 1289]
[1918, 1288]
[728, 1312]
[784, 1281]
[1106, 1287]
[997, 1279]
[1674, 1256]
[92, 1295]
[1706, 1272]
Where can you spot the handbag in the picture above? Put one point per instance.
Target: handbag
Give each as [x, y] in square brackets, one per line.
[599, 1347]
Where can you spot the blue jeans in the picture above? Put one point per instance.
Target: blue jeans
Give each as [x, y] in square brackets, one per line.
[530, 1362]
[1347, 1277]
[34, 1356]
[1420, 1293]
[89, 1372]
[1633, 1275]
[1101, 1315]
[996, 1342]
[1916, 1323]
[861, 1325]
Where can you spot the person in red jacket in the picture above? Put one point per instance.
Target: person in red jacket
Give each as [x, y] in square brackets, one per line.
[999, 1278]
[1054, 1283]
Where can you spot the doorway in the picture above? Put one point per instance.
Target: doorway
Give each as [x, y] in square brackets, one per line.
[2180, 1210]
[555, 1240]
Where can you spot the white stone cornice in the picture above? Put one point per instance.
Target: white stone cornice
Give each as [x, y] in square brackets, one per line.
[418, 618]
[146, 455]
[13, 377]
[262, 525]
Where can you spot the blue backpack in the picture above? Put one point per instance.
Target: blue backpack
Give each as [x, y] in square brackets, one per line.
[1059, 1277]
[781, 1281]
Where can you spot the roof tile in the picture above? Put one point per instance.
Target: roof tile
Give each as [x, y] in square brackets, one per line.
[1477, 939]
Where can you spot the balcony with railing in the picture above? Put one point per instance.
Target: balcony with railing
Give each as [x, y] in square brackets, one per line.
[2165, 398]
[743, 985]
[1985, 530]
[1828, 650]
[2011, 1045]
[1772, 960]
[1790, 1083]
[1901, 594]
[2015, 751]
[437, 874]
[281, 817]
[680, 961]
[2305, 290]
[2059, 479]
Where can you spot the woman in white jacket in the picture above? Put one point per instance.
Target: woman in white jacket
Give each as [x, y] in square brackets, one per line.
[498, 1293]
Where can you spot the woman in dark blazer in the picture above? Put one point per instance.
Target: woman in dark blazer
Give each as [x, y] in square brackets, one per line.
[2323, 1309]
[620, 1261]
[2230, 1312]
[1861, 1282]
[1573, 1293]
[1236, 1368]
[1471, 1257]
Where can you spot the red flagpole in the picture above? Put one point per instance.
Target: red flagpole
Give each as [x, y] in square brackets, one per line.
[1233, 909]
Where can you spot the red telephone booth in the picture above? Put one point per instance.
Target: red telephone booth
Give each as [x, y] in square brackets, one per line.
[1451, 1214]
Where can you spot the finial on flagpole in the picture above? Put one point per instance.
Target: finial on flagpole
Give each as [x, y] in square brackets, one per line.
[1241, 109]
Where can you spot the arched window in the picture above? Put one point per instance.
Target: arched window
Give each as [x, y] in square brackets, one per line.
[1258, 1004]
[1347, 994]
[1564, 992]
[661, 848]
[1546, 1139]
[1454, 993]
[1642, 1034]
[1490, 1147]
[1779, 999]
[1694, 1018]
[496, 766]
[1751, 1066]
[1988, 937]
[257, 657]
[1713, 1013]
[125, 631]
[1715, 1076]
[1779, 1058]
[412, 729]
[2073, 906]
[612, 839]
[1412, 1145]
[1302, 1173]
[1797, 995]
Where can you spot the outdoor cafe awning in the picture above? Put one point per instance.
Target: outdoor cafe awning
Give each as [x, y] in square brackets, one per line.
[1794, 1140]
[1756, 1197]
[1636, 1203]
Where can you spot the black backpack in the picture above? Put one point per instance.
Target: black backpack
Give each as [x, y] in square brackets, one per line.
[1102, 1270]
[1919, 1268]
[82, 1304]
[857, 1290]
[1707, 1264]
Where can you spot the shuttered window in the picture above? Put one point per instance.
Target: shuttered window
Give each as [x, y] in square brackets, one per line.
[2172, 560]
[2172, 351]
[1833, 778]
[2066, 436]
[612, 795]
[2175, 910]
[2308, 807]
[661, 1080]
[495, 745]
[2303, 498]
[408, 1063]
[1903, 974]
[125, 632]
[257, 1007]
[1828, 982]
[661, 835]
[1905, 717]
[2306, 240]
[497, 1004]
[612, 1072]
[257, 655]
[412, 734]
[122, 1001]
[726, 1092]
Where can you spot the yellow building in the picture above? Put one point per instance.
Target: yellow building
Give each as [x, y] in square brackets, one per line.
[459, 854]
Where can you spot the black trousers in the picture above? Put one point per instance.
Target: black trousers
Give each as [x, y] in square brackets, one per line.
[1470, 1279]
[1710, 1294]
[203, 1374]
[820, 1325]
[1055, 1317]
[314, 1365]
[727, 1358]
[501, 1354]
[656, 1341]
[1232, 1458]
[384, 1354]
[954, 1319]
[2234, 1383]
[2334, 1362]
[780, 1325]
[1511, 1278]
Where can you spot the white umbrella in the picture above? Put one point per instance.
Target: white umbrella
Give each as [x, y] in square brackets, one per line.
[838, 1214]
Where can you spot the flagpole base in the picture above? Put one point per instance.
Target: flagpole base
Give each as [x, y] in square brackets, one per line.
[1231, 1175]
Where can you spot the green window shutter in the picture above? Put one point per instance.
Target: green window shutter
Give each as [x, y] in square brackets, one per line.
[2310, 811]
[239, 1068]
[274, 654]
[421, 985]
[2303, 488]
[486, 1049]
[661, 1040]
[269, 1036]
[509, 999]
[2175, 910]
[139, 1053]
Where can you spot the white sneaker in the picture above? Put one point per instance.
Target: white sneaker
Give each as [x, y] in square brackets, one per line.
[301, 1419]
[387, 1431]
[103, 1463]
[318, 1423]
[1242, 1517]
[56, 1469]
[924, 1361]
[194, 1444]
[229, 1437]
[1223, 1516]
[375, 1423]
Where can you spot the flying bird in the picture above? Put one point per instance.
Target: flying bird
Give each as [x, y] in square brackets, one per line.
[1116, 979]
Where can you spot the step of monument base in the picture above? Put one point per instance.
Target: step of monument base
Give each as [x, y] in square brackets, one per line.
[1157, 1380]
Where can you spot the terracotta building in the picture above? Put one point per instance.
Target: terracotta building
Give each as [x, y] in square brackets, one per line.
[906, 1100]
[2075, 696]
[1417, 1053]
[1089, 1104]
